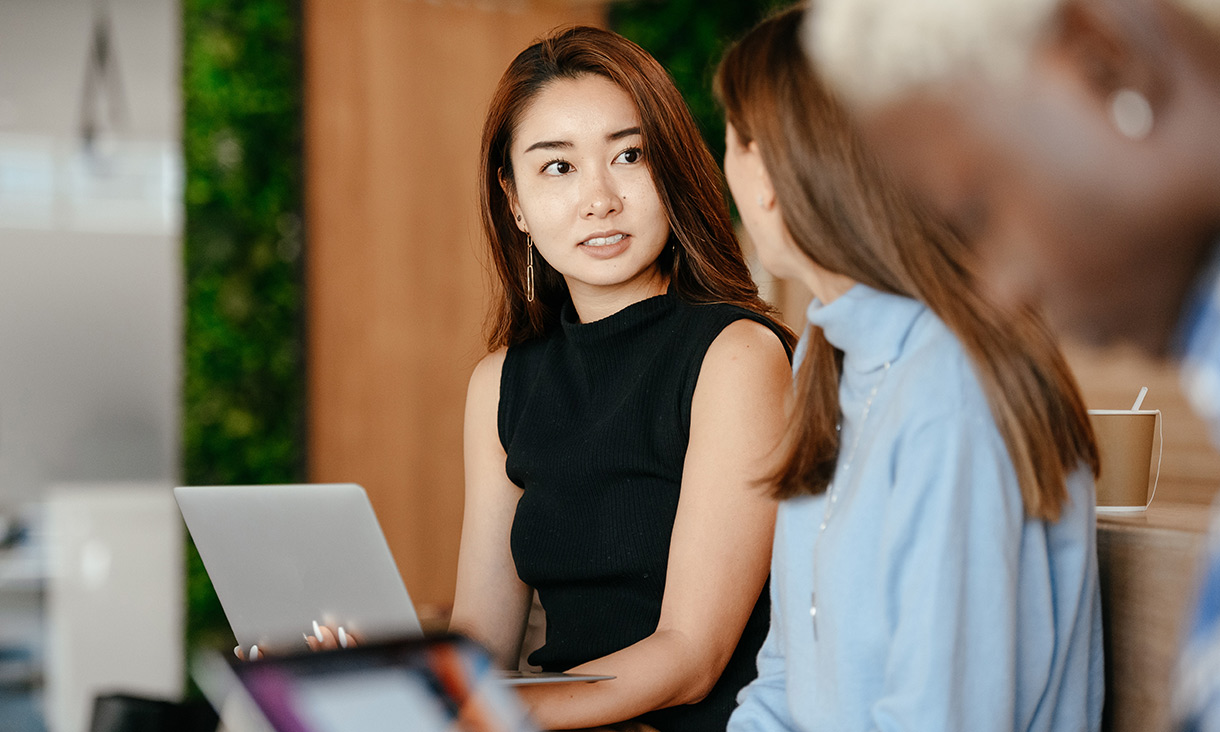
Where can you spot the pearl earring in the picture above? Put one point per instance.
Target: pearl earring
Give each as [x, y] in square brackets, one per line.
[1131, 114]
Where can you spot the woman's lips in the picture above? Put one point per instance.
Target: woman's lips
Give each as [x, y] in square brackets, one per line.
[601, 241]
[605, 247]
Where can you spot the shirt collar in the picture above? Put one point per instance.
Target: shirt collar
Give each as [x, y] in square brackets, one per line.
[869, 326]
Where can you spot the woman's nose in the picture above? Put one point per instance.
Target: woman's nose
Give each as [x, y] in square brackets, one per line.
[600, 197]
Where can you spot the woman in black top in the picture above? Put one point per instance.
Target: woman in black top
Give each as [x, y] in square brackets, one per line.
[618, 430]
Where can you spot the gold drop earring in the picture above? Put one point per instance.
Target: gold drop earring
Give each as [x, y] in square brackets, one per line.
[529, 268]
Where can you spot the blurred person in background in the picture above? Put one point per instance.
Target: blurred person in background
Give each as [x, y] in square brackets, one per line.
[1076, 145]
[935, 562]
[617, 432]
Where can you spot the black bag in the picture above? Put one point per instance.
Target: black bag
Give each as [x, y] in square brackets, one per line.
[125, 713]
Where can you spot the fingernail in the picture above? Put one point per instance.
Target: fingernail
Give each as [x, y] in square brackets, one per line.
[237, 650]
[306, 637]
[317, 632]
[342, 638]
[254, 652]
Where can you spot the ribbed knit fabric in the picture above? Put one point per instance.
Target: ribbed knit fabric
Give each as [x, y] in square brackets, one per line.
[595, 420]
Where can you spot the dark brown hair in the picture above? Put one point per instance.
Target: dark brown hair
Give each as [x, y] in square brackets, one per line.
[849, 217]
[704, 263]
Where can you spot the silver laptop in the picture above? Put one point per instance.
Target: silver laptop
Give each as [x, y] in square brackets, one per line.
[284, 556]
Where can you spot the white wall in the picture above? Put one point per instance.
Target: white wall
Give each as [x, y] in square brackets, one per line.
[89, 256]
[90, 332]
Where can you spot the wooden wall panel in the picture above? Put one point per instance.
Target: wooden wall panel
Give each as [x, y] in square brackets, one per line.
[396, 91]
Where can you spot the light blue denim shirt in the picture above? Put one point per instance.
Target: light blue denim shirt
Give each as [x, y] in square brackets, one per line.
[1197, 686]
[940, 606]
[1198, 345]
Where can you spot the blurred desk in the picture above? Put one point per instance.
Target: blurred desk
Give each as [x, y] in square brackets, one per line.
[1147, 566]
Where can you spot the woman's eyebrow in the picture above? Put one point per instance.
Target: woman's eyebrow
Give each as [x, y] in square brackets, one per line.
[623, 133]
[566, 144]
[549, 145]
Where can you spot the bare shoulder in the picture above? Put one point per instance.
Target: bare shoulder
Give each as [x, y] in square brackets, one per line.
[746, 362]
[483, 399]
[485, 379]
[737, 412]
[746, 343]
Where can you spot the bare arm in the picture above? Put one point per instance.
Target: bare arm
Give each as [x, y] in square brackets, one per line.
[491, 604]
[720, 549]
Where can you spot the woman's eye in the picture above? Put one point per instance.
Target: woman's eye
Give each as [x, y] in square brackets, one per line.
[557, 167]
[630, 155]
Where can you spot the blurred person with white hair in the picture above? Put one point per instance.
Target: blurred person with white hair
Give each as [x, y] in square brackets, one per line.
[1073, 142]
[1076, 145]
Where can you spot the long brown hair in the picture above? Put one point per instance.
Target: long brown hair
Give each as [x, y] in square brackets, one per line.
[848, 216]
[704, 261]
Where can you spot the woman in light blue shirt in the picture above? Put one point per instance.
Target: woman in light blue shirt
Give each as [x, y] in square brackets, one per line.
[934, 564]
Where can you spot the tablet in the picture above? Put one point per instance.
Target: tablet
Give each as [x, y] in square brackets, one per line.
[284, 556]
[439, 684]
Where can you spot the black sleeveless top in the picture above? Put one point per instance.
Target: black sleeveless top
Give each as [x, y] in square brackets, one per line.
[595, 420]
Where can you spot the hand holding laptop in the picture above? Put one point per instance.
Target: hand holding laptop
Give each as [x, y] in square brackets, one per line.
[324, 638]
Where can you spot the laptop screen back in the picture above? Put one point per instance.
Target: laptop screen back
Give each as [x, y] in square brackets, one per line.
[284, 556]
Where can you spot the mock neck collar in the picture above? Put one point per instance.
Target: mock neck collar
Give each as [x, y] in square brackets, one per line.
[635, 315]
[869, 326]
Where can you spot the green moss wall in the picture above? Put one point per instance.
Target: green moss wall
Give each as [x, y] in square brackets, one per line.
[243, 386]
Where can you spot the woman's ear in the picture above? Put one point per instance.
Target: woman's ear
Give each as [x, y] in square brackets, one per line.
[1113, 48]
[766, 189]
[511, 194]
